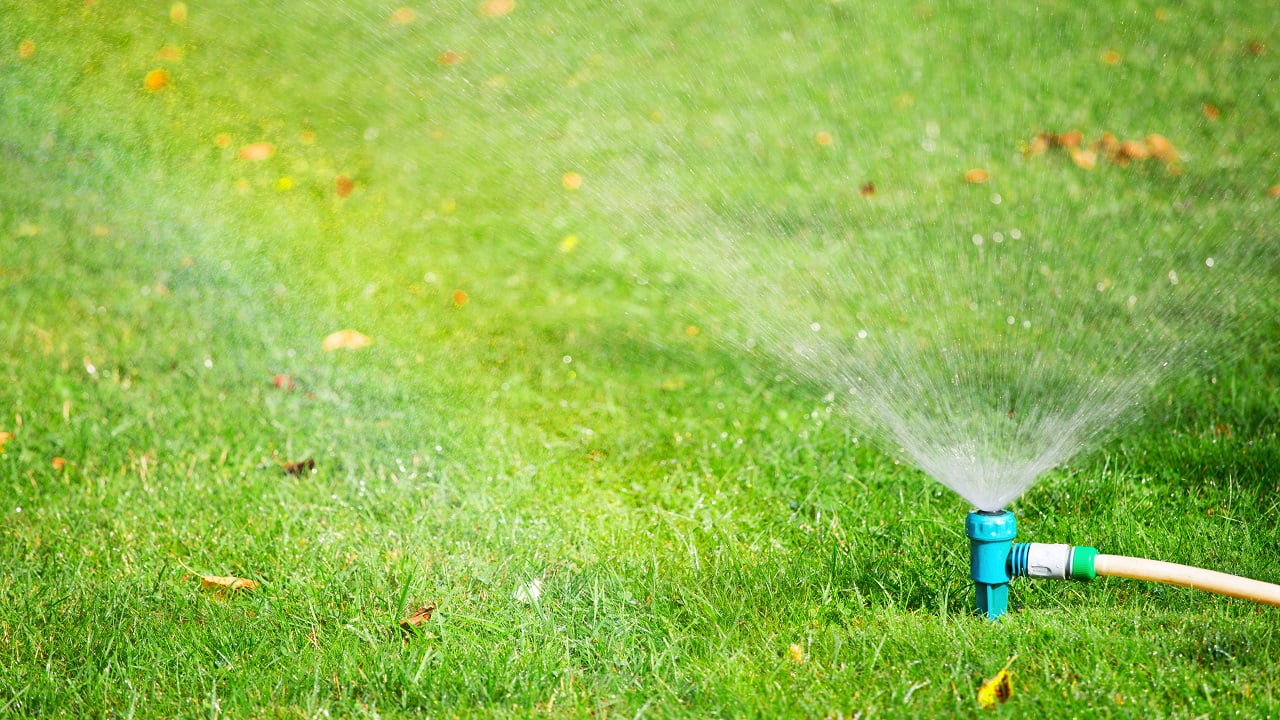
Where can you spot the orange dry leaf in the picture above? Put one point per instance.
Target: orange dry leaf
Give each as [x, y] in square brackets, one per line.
[1211, 111]
[998, 688]
[257, 151]
[59, 463]
[403, 16]
[344, 185]
[156, 80]
[284, 382]
[299, 468]
[418, 617]
[867, 190]
[497, 8]
[1111, 57]
[977, 175]
[169, 52]
[1069, 139]
[571, 180]
[460, 297]
[796, 651]
[449, 57]
[1274, 191]
[1086, 159]
[226, 584]
[26, 49]
[1133, 150]
[823, 138]
[4, 438]
[346, 340]
[222, 140]
[1159, 147]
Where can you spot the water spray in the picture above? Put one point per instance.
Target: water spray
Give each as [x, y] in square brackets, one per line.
[994, 560]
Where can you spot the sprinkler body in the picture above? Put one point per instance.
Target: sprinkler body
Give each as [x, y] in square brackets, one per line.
[990, 544]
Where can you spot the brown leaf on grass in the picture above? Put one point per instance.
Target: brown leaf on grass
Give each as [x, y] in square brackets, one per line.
[1211, 111]
[867, 190]
[460, 298]
[156, 80]
[1274, 191]
[1038, 145]
[1159, 147]
[823, 138]
[998, 688]
[497, 8]
[300, 467]
[1069, 139]
[1132, 150]
[417, 617]
[226, 584]
[571, 181]
[345, 340]
[344, 185]
[257, 151]
[449, 57]
[26, 49]
[1085, 159]
[403, 16]
[4, 438]
[59, 463]
[1111, 57]
[1255, 48]
[977, 175]
[284, 382]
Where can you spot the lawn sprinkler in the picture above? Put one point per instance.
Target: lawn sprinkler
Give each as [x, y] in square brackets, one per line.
[994, 560]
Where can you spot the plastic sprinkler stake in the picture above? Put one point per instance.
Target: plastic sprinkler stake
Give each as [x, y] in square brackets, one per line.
[990, 543]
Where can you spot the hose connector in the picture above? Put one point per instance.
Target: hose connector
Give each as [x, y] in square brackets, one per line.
[990, 544]
[1053, 562]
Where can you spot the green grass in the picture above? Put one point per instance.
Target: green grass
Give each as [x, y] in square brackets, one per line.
[693, 511]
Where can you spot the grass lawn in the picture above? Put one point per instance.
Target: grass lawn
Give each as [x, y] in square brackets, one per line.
[616, 511]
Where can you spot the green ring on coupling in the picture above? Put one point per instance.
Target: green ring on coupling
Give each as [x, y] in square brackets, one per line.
[1082, 557]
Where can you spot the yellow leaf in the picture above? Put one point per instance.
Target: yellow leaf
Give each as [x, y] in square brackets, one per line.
[224, 584]
[497, 8]
[4, 438]
[346, 339]
[797, 653]
[257, 151]
[998, 688]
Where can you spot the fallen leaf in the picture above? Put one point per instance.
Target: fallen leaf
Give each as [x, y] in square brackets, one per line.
[403, 16]
[977, 175]
[178, 13]
[4, 438]
[497, 8]
[156, 80]
[797, 653]
[346, 340]
[998, 688]
[284, 382]
[344, 186]
[571, 180]
[222, 140]
[823, 138]
[1038, 145]
[1211, 111]
[1132, 150]
[26, 49]
[1086, 159]
[257, 151]
[1274, 191]
[169, 52]
[1255, 47]
[1069, 139]
[300, 467]
[226, 584]
[1222, 430]
[867, 190]
[449, 57]
[460, 298]
[1111, 57]
[568, 243]
[1160, 148]
[59, 463]
[692, 330]
[418, 617]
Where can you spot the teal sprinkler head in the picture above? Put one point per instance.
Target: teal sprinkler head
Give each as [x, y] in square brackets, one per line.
[990, 545]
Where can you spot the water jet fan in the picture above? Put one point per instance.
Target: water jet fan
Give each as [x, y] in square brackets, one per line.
[994, 560]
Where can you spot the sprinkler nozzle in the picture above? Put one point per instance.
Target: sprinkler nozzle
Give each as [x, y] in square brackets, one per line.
[990, 545]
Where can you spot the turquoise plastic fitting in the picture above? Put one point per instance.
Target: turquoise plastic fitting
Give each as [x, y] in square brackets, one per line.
[990, 544]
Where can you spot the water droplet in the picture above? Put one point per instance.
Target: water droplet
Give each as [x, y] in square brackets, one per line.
[1173, 277]
[997, 236]
[815, 327]
[1208, 262]
[1010, 320]
[371, 134]
[977, 240]
[1016, 234]
[862, 334]
[996, 199]
[567, 359]
[1026, 324]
